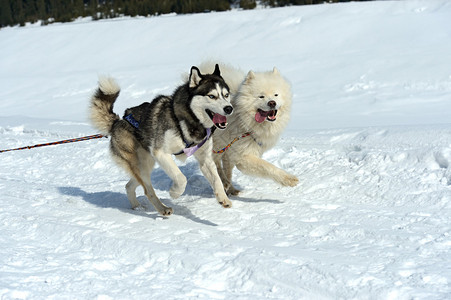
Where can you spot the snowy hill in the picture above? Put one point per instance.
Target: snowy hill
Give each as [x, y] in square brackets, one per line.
[370, 140]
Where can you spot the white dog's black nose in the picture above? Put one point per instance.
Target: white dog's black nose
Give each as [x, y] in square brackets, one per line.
[228, 109]
[272, 104]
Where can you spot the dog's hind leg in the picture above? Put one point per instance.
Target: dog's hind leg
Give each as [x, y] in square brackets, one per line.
[150, 193]
[146, 164]
[253, 165]
[130, 187]
[145, 167]
[172, 170]
[139, 164]
[127, 160]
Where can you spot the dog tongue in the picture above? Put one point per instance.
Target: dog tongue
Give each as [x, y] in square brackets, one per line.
[260, 116]
[218, 119]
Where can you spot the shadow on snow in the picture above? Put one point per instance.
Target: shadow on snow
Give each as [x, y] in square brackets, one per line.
[197, 186]
[120, 202]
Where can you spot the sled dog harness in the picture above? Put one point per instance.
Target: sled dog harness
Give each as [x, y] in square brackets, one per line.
[188, 150]
[234, 140]
[129, 118]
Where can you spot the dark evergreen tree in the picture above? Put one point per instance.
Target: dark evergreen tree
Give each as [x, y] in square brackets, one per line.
[41, 12]
[17, 9]
[13, 12]
[248, 4]
[79, 9]
[6, 17]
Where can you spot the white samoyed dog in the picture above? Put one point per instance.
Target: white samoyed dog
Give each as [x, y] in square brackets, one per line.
[262, 106]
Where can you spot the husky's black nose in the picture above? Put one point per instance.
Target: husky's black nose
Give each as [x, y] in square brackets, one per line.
[228, 109]
[272, 104]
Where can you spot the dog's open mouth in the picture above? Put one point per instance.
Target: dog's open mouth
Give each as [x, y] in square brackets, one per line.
[220, 121]
[262, 115]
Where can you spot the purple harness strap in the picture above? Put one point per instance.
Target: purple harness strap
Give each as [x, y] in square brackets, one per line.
[190, 151]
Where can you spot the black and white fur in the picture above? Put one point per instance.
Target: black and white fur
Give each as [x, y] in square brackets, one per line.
[166, 126]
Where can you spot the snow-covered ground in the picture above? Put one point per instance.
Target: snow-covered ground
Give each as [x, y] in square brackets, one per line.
[370, 140]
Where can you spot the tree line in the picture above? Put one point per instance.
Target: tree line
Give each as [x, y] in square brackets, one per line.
[19, 12]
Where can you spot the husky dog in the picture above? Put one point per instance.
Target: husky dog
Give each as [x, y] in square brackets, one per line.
[180, 124]
[262, 103]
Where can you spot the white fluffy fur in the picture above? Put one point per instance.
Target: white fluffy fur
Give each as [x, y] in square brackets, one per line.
[246, 153]
[108, 85]
[103, 121]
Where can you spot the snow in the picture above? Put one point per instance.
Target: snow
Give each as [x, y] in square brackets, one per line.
[370, 140]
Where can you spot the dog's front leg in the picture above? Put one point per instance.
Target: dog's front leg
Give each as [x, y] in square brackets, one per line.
[172, 170]
[223, 170]
[227, 167]
[255, 166]
[208, 168]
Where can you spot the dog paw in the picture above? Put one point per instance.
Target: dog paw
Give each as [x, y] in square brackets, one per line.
[161, 208]
[226, 203]
[292, 181]
[289, 180]
[177, 188]
[167, 211]
[231, 191]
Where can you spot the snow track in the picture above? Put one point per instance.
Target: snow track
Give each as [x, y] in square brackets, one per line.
[371, 218]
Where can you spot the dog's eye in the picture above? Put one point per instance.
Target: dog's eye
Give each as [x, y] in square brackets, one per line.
[275, 95]
[262, 97]
[211, 97]
[226, 95]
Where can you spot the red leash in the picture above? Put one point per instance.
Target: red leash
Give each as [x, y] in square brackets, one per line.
[85, 138]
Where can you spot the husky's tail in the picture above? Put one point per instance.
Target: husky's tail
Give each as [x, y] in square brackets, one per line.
[102, 102]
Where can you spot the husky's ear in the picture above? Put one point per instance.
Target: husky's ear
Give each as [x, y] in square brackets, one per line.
[194, 77]
[275, 71]
[249, 76]
[217, 72]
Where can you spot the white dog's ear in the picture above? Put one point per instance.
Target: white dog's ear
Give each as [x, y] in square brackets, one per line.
[249, 76]
[275, 71]
[194, 77]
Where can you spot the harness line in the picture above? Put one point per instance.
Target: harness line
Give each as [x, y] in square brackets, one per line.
[80, 139]
[234, 140]
[189, 150]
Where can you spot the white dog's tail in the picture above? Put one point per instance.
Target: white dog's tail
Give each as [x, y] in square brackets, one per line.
[102, 102]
